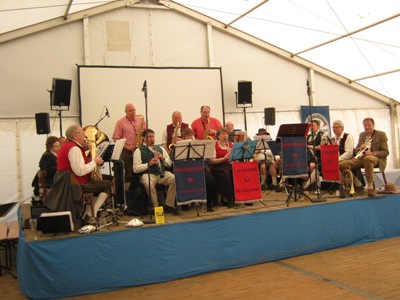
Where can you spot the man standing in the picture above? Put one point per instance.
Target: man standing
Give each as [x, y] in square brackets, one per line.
[205, 127]
[131, 128]
[372, 151]
[151, 160]
[174, 131]
[343, 140]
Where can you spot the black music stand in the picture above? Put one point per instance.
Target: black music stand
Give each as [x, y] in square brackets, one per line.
[243, 150]
[296, 129]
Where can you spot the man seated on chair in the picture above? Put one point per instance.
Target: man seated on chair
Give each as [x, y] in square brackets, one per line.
[266, 159]
[372, 150]
[72, 158]
[344, 140]
[150, 162]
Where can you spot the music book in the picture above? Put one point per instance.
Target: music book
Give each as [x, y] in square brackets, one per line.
[53, 222]
[237, 136]
[197, 149]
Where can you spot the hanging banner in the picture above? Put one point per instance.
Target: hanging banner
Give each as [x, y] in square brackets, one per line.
[190, 182]
[294, 156]
[317, 112]
[246, 182]
[330, 162]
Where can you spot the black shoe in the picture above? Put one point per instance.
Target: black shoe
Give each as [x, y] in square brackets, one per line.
[230, 204]
[210, 209]
[171, 210]
[249, 204]
[186, 207]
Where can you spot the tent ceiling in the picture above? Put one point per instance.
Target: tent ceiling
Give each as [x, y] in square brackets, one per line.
[358, 39]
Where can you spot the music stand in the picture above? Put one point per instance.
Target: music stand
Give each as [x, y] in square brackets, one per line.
[296, 129]
[237, 136]
[243, 150]
[111, 152]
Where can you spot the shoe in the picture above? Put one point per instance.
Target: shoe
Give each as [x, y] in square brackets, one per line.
[210, 209]
[371, 192]
[249, 204]
[359, 189]
[230, 204]
[171, 210]
[186, 207]
[279, 189]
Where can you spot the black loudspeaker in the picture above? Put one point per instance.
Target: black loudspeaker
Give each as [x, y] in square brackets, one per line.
[61, 93]
[244, 92]
[269, 116]
[42, 123]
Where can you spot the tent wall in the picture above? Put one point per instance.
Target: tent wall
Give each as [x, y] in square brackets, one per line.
[159, 38]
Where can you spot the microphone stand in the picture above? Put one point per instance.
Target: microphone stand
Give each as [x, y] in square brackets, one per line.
[105, 115]
[144, 90]
[316, 159]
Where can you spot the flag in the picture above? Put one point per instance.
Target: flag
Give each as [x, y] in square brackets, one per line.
[190, 181]
[317, 112]
[246, 182]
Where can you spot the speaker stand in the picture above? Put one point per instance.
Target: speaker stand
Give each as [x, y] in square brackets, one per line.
[59, 114]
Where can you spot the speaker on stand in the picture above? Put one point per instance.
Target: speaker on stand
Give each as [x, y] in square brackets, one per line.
[244, 97]
[60, 96]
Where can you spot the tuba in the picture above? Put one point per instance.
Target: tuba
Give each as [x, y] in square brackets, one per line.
[139, 133]
[174, 136]
[95, 137]
[347, 183]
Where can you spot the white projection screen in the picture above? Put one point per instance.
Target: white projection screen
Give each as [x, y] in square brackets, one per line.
[168, 90]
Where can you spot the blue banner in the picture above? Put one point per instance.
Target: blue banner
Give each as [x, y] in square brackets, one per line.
[190, 181]
[317, 112]
[294, 156]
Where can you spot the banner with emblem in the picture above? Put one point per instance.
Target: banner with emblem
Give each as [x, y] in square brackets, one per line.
[317, 112]
[190, 182]
[246, 182]
[294, 156]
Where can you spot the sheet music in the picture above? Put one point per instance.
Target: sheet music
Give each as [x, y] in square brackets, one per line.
[119, 146]
[102, 147]
[197, 147]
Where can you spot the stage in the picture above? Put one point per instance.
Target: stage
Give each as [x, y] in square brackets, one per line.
[68, 265]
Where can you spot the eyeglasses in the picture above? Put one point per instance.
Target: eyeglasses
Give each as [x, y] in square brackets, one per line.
[336, 127]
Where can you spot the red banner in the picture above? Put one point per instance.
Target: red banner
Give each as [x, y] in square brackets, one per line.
[246, 182]
[330, 162]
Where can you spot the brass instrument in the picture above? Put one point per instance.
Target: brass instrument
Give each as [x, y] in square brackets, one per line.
[348, 182]
[361, 152]
[95, 137]
[174, 136]
[206, 129]
[139, 133]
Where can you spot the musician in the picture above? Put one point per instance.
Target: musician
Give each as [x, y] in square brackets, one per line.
[205, 127]
[48, 163]
[266, 158]
[229, 126]
[72, 158]
[62, 140]
[151, 160]
[174, 131]
[221, 168]
[374, 149]
[344, 140]
[129, 127]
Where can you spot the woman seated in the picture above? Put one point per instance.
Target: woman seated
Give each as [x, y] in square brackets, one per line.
[48, 163]
[221, 168]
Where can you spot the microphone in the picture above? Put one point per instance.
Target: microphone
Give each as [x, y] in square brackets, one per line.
[107, 113]
[144, 86]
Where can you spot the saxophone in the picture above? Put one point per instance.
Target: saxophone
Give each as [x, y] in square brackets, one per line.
[139, 133]
[206, 129]
[174, 136]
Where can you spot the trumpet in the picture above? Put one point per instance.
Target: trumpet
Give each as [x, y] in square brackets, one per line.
[361, 152]
[348, 182]
[174, 136]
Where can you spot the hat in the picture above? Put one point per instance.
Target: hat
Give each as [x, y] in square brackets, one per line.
[262, 131]
[390, 188]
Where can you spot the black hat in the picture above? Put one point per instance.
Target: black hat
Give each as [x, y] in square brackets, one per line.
[262, 131]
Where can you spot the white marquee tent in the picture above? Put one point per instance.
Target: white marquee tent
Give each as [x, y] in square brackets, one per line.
[348, 50]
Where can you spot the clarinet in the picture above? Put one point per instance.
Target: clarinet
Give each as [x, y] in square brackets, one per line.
[160, 169]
